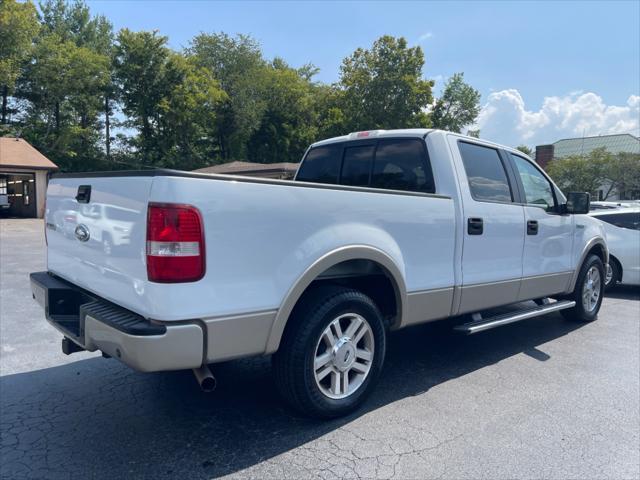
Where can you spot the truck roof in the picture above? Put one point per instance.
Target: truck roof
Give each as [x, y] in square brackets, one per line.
[405, 132]
[408, 132]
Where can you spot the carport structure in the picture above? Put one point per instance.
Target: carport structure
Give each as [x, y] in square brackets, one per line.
[23, 178]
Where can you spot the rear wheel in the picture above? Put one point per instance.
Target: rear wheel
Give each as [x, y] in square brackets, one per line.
[332, 353]
[588, 291]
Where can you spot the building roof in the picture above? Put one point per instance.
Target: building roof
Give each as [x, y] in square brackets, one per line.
[582, 146]
[246, 168]
[18, 153]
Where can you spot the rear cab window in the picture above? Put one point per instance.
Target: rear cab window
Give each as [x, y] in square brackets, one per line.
[386, 163]
[321, 165]
[356, 166]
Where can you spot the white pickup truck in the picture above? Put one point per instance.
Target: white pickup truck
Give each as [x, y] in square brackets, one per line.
[380, 230]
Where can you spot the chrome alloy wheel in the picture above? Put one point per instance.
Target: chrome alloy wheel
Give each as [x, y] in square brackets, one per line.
[343, 356]
[591, 289]
[609, 275]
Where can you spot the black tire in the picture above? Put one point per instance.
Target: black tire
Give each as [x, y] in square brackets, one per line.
[615, 275]
[579, 313]
[293, 363]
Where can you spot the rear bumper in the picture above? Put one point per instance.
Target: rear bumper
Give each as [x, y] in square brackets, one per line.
[95, 324]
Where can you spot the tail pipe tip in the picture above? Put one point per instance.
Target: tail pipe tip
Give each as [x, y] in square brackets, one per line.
[205, 378]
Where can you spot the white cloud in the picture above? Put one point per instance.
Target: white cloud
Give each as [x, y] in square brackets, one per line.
[505, 118]
[425, 36]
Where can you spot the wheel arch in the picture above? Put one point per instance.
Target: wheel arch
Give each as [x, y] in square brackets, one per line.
[596, 246]
[328, 261]
[614, 259]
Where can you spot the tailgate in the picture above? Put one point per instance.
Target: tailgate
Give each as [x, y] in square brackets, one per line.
[98, 243]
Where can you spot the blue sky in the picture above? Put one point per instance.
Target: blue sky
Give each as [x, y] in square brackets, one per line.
[545, 69]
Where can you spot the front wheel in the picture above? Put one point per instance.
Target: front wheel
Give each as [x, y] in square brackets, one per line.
[332, 353]
[588, 291]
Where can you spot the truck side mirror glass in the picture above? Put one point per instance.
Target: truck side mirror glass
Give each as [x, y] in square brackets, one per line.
[578, 202]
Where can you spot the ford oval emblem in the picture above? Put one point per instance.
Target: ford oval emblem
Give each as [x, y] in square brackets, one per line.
[82, 233]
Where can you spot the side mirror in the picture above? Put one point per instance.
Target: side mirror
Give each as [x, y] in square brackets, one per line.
[578, 202]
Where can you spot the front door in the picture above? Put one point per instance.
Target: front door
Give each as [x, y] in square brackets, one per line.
[547, 259]
[493, 224]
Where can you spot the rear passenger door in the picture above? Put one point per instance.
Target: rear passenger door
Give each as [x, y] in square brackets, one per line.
[493, 226]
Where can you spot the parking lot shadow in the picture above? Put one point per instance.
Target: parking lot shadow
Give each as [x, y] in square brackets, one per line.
[624, 292]
[97, 419]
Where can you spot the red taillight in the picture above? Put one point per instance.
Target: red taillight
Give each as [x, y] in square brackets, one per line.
[175, 243]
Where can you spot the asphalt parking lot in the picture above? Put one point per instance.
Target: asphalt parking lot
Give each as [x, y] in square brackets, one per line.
[542, 398]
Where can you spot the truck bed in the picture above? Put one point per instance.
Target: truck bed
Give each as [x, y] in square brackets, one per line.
[260, 235]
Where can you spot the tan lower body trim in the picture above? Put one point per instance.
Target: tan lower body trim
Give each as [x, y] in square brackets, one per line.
[238, 336]
[543, 285]
[478, 297]
[427, 305]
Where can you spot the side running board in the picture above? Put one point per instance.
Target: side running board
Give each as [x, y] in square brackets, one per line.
[480, 324]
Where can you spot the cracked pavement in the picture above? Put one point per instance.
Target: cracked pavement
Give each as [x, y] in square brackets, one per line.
[542, 398]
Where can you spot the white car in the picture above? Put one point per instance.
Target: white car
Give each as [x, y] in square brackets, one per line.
[623, 237]
[379, 231]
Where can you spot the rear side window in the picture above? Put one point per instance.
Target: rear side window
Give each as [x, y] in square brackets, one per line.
[356, 166]
[622, 220]
[321, 165]
[485, 173]
[401, 165]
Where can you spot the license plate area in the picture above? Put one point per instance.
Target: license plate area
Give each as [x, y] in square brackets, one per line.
[61, 303]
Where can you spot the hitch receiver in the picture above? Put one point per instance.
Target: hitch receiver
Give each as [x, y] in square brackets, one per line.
[69, 347]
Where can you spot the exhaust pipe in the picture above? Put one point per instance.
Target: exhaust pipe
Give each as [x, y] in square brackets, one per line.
[205, 378]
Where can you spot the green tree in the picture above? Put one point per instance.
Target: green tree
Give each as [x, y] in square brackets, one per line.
[73, 22]
[622, 176]
[170, 100]
[580, 173]
[383, 87]
[19, 26]
[524, 149]
[63, 85]
[458, 106]
[238, 64]
[290, 120]
[188, 115]
[139, 62]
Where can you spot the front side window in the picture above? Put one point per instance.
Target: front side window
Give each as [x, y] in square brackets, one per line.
[401, 165]
[485, 173]
[622, 220]
[321, 165]
[356, 165]
[537, 189]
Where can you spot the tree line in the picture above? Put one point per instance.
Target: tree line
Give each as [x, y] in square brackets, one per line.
[91, 98]
[615, 174]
